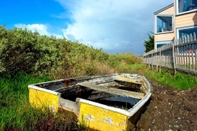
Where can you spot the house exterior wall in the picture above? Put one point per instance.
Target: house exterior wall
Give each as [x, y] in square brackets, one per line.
[169, 11]
[183, 20]
[164, 36]
[188, 19]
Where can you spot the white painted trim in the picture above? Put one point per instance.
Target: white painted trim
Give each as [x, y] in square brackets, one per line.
[43, 89]
[128, 113]
[163, 42]
[155, 28]
[176, 6]
[167, 32]
[163, 9]
[49, 82]
[139, 105]
[183, 28]
[165, 15]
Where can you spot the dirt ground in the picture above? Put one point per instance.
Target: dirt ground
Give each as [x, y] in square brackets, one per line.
[170, 110]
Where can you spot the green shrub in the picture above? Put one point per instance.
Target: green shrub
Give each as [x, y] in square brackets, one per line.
[24, 51]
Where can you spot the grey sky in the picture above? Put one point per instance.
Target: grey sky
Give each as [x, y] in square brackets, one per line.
[114, 25]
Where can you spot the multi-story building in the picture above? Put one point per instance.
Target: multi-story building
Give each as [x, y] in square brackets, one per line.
[175, 21]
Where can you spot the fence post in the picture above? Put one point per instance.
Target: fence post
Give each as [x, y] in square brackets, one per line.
[160, 60]
[152, 61]
[173, 59]
[196, 59]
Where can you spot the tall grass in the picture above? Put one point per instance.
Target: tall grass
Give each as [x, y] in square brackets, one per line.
[16, 113]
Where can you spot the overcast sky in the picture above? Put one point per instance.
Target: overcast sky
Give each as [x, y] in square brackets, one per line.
[116, 26]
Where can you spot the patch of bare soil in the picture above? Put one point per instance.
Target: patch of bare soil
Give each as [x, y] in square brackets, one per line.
[170, 110]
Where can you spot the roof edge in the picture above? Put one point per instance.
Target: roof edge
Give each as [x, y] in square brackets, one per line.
[162, 9]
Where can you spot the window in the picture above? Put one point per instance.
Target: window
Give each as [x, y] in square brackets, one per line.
[185, 32]
[186, 5]
[163, 24]
[161, 43]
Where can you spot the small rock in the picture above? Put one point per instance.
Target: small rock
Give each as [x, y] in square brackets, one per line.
[153, 121]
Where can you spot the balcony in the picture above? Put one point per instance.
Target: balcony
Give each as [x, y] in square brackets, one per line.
[163, 24]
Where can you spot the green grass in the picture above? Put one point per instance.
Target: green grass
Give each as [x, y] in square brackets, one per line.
[179, 81]
[16, 113]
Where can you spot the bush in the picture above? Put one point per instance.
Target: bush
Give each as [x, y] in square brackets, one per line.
[24, 51]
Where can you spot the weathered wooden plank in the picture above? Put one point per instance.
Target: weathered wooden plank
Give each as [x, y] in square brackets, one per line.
[187, 71]
[196, 59]
[69, 105]
[129, 80]
[114, 91]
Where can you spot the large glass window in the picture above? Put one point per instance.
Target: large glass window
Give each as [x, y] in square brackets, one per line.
[164, 24]
[187, 32]
[186, 5]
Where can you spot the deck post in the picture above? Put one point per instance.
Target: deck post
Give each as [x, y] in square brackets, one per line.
[196, 59]
[173, 59]
[152, 61]
[160, 59]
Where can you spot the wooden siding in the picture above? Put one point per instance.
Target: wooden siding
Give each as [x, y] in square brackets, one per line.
[164, 37]
[169, 11]
[186, 20]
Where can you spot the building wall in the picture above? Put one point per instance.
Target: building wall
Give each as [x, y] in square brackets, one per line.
[184, 20]
[180, 21]
[188, 19]
[168, 11]
[164, 36]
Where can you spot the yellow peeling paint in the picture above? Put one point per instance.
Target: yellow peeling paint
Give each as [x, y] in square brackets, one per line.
[41, 99]
[101, 119]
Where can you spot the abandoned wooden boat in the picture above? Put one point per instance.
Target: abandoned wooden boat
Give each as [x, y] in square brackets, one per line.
[108, 102]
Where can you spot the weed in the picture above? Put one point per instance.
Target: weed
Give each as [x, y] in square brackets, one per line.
[16, 113]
